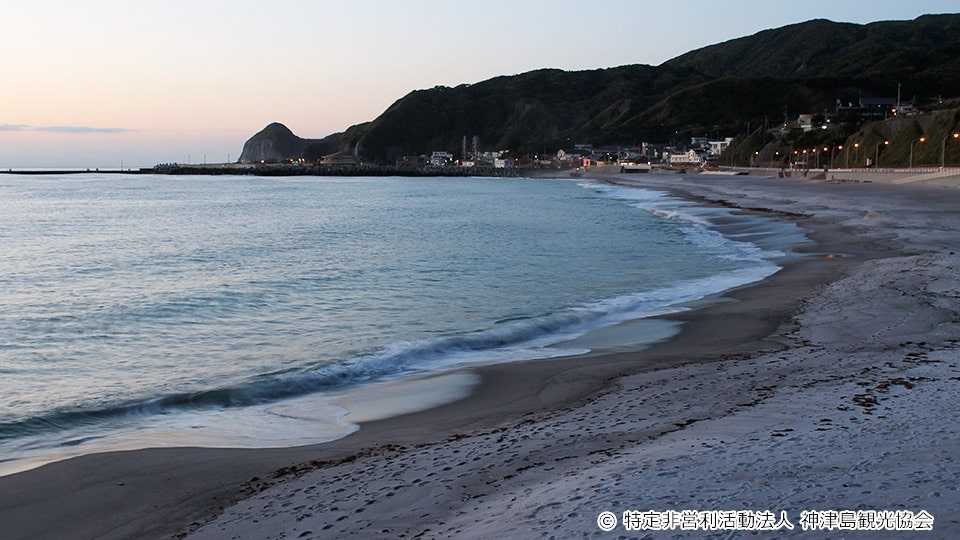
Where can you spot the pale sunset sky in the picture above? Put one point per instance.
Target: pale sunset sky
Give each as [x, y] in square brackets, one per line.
[91, 83]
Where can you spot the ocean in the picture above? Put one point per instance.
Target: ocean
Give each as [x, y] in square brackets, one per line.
[240, 311]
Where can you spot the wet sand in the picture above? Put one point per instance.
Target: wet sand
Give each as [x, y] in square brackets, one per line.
[522, 454]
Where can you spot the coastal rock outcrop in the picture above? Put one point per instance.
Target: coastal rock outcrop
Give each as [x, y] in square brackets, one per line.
[273, 143]
[277, 143]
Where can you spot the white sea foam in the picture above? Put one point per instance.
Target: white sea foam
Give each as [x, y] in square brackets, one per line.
[698, 226]
[534, 338]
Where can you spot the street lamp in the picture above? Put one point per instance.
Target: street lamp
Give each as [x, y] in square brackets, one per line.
[876, 158]
[856, 152]
[943, 149]
[912, 144]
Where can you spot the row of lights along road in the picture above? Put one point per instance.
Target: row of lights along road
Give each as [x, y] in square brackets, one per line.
[856, 146]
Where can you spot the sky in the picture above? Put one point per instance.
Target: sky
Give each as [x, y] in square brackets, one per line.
[94, 83]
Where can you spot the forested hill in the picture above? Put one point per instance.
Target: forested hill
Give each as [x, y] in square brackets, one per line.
[710, 91]
[927, 48]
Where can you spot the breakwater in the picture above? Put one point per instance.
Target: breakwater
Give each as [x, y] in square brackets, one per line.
[328, 170]
[288, 170]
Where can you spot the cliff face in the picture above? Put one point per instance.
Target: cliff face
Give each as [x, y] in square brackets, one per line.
[718, 89]
[273, 143]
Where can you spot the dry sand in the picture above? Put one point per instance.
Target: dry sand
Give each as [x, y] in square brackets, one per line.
[831, 385]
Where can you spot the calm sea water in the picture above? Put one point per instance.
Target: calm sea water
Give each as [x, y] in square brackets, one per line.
[128, 301]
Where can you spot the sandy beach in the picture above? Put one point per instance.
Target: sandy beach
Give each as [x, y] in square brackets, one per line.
[831, 385]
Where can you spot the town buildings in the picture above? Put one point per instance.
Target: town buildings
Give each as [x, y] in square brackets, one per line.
[700, 151]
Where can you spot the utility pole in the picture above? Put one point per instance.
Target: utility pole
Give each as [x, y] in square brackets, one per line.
[943, 148]
[876, 159]
[912, 144]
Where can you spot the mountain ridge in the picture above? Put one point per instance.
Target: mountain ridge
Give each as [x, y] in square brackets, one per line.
[824, 48]
[715, 89]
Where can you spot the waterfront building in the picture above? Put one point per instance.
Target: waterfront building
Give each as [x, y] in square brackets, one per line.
[441, 159]
[690, 157]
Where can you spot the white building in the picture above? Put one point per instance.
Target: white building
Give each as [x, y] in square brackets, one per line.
[717, 147]
[906, 109]
[441, 159]
[500, 163]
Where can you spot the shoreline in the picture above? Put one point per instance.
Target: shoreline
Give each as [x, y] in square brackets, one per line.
[156, 492]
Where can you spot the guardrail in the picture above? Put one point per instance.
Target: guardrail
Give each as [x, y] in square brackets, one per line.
[867, 170]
